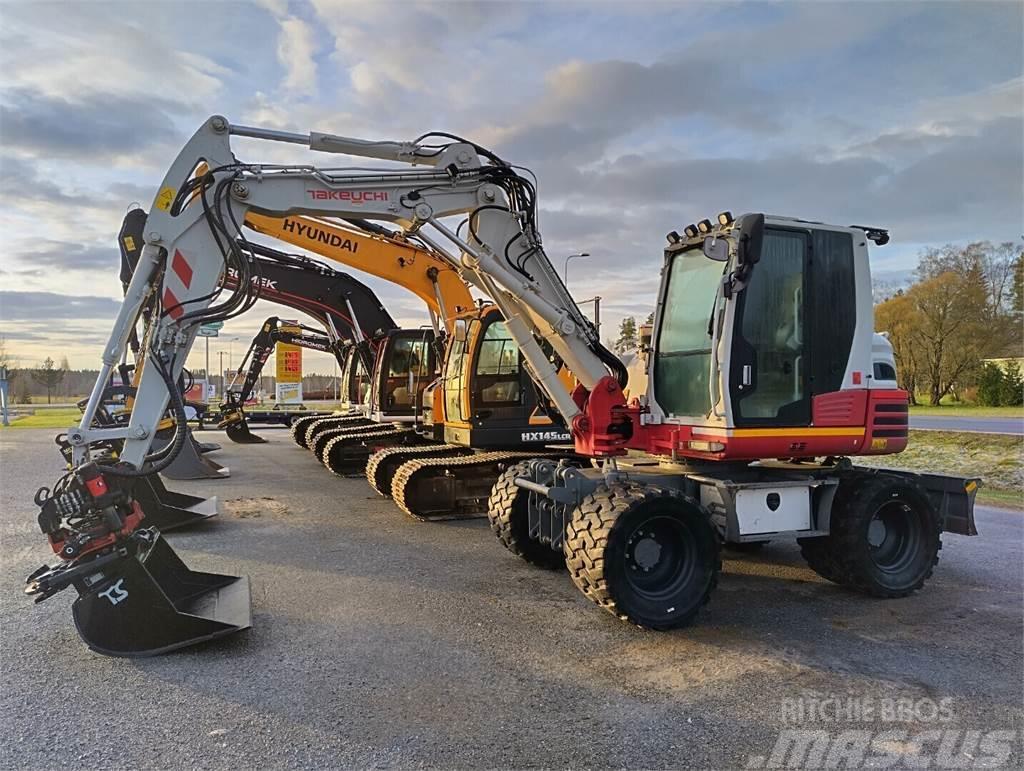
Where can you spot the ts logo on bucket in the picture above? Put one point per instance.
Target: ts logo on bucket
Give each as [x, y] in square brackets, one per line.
[116, 593]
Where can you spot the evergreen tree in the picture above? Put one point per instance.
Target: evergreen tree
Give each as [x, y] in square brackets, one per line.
[627, 335]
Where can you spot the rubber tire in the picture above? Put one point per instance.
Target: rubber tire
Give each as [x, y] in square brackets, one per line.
[507, 513]
[844, 555]
[596, 541]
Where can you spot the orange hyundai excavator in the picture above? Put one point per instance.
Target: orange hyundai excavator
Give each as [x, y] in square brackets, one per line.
[483, 414]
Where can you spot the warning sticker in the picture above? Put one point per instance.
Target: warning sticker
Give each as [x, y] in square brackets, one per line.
[129, 243]
[165, 198]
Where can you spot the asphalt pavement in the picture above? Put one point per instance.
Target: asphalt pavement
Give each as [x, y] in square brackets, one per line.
[379, 641]
[985, 425]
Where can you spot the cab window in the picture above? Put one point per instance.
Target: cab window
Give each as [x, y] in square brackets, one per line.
[496, 379]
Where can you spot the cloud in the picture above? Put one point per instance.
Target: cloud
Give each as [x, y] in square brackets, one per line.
[295, 50]
[98, 127]
[46, 307]
[101, 49]
[70, 256]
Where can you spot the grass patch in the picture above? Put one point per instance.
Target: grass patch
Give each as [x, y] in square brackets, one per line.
[967, 411]
[54, 417]
[998, 459]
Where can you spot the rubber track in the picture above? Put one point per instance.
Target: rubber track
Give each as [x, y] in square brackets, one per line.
[319, 442]
[587, 537]
[357, 439]
[339, 419]
[407, 471]
[298, 429]
[411, 453]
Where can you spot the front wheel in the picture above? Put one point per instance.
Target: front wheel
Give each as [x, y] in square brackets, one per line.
[646, 555]
[508, 513]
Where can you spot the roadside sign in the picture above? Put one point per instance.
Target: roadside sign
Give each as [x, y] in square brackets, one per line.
[208, 330]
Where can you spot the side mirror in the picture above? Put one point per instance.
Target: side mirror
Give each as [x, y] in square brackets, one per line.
[716, 249]
[751, 236]
[460, 330]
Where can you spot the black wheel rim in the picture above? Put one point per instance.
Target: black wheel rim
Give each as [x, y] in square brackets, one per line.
[661, 557]
[894, 538]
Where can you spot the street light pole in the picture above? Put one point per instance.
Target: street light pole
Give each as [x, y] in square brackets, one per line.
[565, 269]
[597, 310]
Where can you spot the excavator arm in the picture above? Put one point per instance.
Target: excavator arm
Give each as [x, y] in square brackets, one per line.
[274, 331]
[191, 228]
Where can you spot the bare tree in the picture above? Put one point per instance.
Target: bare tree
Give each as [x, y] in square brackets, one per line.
[49, 376]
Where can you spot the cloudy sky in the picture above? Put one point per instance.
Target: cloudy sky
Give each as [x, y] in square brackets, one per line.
[637, 119]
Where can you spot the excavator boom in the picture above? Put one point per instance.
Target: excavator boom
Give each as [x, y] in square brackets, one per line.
[424, 272]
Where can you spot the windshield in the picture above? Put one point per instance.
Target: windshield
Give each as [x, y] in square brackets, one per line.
[683, 362]
[453, 375]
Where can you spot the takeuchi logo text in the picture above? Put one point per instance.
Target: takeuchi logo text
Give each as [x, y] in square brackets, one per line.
[352, 196]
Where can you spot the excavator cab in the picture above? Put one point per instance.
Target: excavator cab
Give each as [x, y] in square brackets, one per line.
[406, 364]
[758, 336]
[490, 400]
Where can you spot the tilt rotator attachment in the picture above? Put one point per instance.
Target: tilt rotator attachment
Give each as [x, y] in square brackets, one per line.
[164, 509]
[135, 595]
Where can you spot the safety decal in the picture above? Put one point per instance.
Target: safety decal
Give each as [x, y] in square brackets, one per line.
[165, 198]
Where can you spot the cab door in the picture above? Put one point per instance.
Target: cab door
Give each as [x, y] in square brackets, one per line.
[768, 374]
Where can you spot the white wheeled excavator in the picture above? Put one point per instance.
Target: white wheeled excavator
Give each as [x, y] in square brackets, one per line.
[765, 376]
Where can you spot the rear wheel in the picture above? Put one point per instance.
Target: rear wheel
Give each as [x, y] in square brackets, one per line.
[646, 555]
[885, 537]
[509, 517]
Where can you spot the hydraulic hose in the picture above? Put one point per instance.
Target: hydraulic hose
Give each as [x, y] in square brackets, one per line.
[162, 458]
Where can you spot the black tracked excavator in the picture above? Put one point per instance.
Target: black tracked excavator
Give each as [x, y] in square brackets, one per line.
[234, 418]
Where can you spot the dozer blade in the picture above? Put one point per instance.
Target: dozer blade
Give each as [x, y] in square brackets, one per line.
[239, 432]
[167, 510]
[149, 603]
[190, 464]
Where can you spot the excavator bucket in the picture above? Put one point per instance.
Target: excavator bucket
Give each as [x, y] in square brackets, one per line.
[167, 510]
[238, 431]
[190, 462]
[149, 603]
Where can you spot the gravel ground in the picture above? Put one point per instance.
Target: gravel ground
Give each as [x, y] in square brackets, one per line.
[382, 642]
